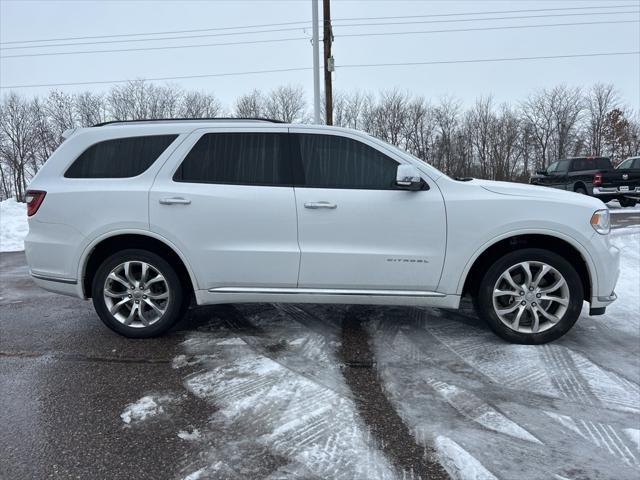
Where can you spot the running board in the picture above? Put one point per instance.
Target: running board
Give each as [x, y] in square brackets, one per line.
[327, 291]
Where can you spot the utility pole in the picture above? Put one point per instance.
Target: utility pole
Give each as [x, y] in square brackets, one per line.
[328, 60]
[316, 63]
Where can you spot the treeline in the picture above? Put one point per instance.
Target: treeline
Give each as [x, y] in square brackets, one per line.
[487, 140]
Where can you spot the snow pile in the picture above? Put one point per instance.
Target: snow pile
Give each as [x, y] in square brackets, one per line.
[13, 225]
[147, 406]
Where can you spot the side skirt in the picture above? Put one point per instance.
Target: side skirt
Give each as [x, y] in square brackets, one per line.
[340, 296]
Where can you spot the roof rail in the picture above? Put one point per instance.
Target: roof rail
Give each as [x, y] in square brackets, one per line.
[218, 119]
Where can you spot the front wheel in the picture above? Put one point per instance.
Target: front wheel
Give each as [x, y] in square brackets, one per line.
[530, 296]
[137, 294]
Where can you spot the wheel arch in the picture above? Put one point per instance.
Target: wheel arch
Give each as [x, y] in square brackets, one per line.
[568, 249]
[580, 184]
[106, 245]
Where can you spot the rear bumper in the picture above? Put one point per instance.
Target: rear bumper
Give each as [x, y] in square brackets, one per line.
[63, 286]
[51, 250]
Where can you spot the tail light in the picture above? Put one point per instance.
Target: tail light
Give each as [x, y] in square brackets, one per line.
[597, 180]
[34, 199]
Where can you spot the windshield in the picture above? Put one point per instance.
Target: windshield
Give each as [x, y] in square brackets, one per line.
[626, 164]
[558, 166]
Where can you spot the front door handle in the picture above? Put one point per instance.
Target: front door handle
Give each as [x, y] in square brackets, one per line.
[174, 201]
[315, 205]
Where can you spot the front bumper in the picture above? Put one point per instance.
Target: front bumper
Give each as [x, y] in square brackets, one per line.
[613, 191]
[607, 262]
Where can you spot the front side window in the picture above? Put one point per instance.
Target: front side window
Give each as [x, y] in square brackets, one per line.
[330, 161]
[238, 159]
[119, 157]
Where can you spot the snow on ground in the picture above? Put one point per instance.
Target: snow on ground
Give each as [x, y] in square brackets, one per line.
[615, 207]
[458, 463]
[570, 409]
[146, 407]
[13, 225]
[283, 408]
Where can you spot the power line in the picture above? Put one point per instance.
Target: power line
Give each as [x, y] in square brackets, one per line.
[306, 22]
[251, 32]
[170, 47]
[485, 13]
[487, 60]
[370, 65]
[182, 37]
[513, 27]
[263, 25]
[345, 35]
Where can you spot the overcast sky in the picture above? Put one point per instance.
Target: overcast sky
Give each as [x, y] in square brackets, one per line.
[507, 81]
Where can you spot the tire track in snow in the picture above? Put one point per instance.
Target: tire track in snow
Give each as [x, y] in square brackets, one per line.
[446, 350]
[287, 403]
[392, 434]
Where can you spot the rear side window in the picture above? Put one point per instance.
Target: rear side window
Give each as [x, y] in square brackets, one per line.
[120, 157]
[238, 159]
[590, 164]
[330, 161]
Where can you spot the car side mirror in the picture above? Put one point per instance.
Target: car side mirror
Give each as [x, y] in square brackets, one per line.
[542, 172]
[408, 178]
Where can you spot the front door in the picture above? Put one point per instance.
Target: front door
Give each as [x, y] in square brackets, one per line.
[356, 230]
[226, 200]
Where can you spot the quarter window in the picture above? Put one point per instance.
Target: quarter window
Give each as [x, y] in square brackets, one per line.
[120, 157]
[238, 159]
[331, 161]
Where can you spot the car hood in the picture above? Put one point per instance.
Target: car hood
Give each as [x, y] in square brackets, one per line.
[524, 190]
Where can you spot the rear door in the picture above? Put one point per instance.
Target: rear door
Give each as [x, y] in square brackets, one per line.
[356, 230]
[226, 200]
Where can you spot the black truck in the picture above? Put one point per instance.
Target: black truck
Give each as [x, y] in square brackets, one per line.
[594, 176]
[623, 183]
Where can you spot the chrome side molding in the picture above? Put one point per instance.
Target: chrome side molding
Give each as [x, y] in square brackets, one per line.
[328, 291]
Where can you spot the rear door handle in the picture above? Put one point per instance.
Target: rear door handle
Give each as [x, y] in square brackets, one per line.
[174, 201]
[316, 205]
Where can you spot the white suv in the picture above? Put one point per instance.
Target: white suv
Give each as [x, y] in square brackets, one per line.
[144, 216]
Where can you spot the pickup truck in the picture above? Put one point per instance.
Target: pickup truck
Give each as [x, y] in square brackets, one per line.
[623, 183]
[573, 174]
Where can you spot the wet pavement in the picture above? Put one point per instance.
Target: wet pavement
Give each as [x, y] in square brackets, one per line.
[312, 391]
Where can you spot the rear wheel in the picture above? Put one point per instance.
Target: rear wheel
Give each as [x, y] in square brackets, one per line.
[530, 296]
[627, 202]
[581, 190]
[137, 294]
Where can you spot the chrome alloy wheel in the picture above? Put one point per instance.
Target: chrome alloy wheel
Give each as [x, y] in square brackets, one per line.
[136, 294]
[530, 297]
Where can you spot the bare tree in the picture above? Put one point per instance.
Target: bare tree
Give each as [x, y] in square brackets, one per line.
[250, 105]
[16, 149]
[90, 109]
[600, 100]
[537, 112]
[286, 103]
[200, 105]
[447, 115]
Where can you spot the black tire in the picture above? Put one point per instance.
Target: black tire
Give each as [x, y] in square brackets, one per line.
[175, 303]
[484, 300]
[581, 190]
[627, 202]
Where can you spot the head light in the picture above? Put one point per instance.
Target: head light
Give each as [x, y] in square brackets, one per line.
[601, 221]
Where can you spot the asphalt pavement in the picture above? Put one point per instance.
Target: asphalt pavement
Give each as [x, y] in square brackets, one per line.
[266, 391]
